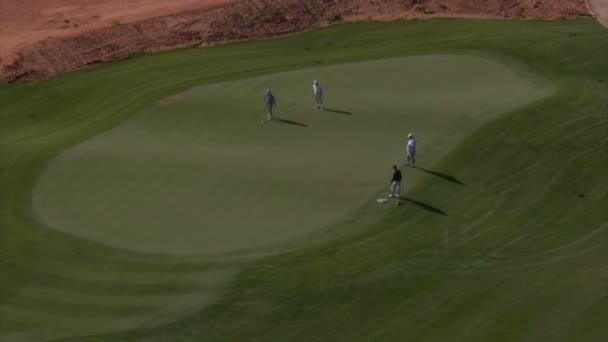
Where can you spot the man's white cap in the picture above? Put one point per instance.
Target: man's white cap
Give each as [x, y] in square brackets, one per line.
[314, 82]
[410, 135]
[268, 90]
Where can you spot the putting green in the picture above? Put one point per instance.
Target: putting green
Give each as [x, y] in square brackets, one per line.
[198, 172]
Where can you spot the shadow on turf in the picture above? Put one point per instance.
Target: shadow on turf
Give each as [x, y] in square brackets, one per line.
[442, 175]
[424, 206]
[337, 111]
[289, 122]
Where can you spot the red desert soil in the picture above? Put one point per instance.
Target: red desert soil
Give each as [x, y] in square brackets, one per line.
[41, 38]
[599, 8]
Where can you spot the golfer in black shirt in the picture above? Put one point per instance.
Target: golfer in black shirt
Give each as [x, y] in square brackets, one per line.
[395, 190]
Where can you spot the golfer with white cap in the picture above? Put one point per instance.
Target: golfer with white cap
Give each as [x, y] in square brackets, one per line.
[411, 150]
[317, 92]
[270, 102]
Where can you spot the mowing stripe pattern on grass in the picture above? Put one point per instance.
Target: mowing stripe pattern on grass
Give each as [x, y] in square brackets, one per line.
[503, 238]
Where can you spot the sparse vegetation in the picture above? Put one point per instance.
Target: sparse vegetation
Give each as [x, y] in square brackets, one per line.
[275, 13]
[335, 18]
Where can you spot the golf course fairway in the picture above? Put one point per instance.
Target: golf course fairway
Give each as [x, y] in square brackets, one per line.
[149, 200]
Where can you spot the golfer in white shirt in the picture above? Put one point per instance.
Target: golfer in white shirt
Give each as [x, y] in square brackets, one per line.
[411, 150]
[317, 92]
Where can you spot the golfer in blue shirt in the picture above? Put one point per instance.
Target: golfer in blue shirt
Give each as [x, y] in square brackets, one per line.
[271, 103]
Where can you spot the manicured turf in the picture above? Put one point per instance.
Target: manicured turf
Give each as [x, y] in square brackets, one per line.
[502, 239]
[198, 173]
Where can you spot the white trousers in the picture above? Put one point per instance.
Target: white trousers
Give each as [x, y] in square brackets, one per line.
[395, 190]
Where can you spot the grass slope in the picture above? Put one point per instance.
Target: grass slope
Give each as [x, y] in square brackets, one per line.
[520, 255]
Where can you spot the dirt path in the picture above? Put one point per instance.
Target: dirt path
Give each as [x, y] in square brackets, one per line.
[599, 8]
[41, 38]
[28, 21]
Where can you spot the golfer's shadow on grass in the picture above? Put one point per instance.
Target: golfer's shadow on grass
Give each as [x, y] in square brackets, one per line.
[337, 111]
[289, 122]
[442, 175]
[424, 206]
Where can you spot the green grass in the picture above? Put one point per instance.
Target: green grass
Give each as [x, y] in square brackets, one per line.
[520, 255]
[198, 174]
